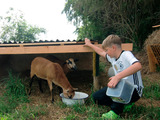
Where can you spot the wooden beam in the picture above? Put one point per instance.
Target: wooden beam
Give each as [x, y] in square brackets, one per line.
[54, 49]
[127, 46]
[45, 49]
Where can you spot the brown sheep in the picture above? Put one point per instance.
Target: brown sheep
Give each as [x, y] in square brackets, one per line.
[52, 72]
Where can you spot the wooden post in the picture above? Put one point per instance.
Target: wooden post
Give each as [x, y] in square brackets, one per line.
[95, 71]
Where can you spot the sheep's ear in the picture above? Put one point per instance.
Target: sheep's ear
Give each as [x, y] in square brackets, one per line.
[75, 60]
[75, 89]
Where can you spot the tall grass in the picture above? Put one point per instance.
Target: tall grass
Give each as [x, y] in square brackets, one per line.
[15, 95]
[15, 88]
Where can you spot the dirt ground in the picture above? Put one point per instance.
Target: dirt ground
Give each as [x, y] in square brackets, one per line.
[83, 80]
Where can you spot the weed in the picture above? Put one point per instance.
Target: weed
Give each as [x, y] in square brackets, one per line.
[14, 95]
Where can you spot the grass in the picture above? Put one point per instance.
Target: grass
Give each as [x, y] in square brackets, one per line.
[14, 96]
[14, 104]
[152, 91]
[94, 112]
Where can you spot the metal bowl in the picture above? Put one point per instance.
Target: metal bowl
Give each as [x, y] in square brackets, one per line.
[79, 98]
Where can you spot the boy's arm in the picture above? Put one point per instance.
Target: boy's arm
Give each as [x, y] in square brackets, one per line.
[98, 50]
[129, 71]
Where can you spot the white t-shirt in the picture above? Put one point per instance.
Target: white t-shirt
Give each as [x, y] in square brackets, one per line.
[125, 60]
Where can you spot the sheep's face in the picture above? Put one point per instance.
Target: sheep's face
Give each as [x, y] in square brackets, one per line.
[71, 64]
[69, 93]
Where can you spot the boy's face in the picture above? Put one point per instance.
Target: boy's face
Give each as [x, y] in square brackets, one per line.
[110, 51]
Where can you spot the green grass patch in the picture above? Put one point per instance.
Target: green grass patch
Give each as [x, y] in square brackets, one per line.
[14, 105]
[13, 94]
[94, 112]
[25, 113]
[152, 91]
[14, 101]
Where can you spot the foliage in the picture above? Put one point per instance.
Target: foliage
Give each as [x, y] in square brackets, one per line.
[15, 87]
[15, 28]
[14, 93]
[96, 19]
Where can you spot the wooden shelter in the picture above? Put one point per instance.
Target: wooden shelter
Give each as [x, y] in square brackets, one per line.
[55, 47]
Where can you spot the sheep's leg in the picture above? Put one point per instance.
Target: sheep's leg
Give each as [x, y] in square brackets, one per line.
[30, 85]
[40, 85]
[50, 87]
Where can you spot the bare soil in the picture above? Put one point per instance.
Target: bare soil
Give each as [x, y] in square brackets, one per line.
[83, 80]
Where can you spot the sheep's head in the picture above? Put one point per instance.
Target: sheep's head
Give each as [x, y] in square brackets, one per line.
[69, 93]
[71, 64]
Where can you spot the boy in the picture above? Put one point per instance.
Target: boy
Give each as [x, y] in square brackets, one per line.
[124, 65]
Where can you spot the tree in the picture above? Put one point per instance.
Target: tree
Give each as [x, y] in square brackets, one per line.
[132, 20]
[15, 28]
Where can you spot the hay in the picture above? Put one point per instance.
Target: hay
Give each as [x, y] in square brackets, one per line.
[154, 38]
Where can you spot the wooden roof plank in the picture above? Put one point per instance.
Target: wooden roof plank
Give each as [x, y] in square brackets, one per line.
[54, 49]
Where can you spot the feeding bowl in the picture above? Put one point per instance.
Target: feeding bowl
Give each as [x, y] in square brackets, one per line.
[79, 98]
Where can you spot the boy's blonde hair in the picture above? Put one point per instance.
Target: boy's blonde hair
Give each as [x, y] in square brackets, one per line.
[112, 40]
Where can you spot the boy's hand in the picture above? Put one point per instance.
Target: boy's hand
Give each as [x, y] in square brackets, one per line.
[113, 82]
[87, 42]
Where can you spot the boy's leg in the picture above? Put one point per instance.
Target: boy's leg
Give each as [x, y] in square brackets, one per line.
[101, 98]
[135, 96]
[117, 107]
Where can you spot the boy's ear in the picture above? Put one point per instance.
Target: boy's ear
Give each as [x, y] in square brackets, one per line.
[114, 46]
